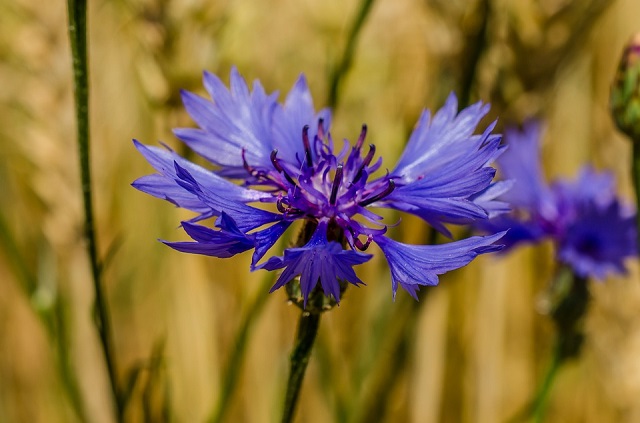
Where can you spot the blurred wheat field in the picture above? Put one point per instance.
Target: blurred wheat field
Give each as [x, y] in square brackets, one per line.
[472, 350]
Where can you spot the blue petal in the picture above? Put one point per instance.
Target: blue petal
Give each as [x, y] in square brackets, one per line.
[167, 189]
[443, 176]
[521, 163]
[265, 239]
[236, 119]
[415, 265]
[441, 140]
[291, 118]
[319, 260]
[590, 188]
[520, 231]
[598, 243]
[163, 161]
[490, 198]
[246, 217]
[224, 243]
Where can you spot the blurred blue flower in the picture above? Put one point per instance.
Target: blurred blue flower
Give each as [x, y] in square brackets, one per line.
[592, 231]
[284, 155]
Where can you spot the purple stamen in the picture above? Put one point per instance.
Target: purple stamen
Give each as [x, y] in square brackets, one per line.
[363, 135]
[365, 162]
[280, 206]
[359, 245]
[337, 180]
[245, 164]
[307, 146]
[286, 209]
[356, 241]
[321, 128]
[279, 168]
[379, 196]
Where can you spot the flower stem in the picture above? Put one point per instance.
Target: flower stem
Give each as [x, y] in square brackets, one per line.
[536, 408]
[347, 56]
[635, 170]
[238, 353]
[307, 331]
[398, 349]
[77, 10]
[539, 404]
[569, 301]
[477, 44]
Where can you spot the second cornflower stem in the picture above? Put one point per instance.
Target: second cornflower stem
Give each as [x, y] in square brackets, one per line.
[539, 404]
[307, 331]
[635, 169]
[346, 59]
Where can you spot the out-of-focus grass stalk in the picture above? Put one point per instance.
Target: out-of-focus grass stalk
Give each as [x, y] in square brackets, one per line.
[15, 258]
[537, 407]
[398, 347]
[77, 10]
[307, 332]
[51, 317]
[478, 46]
[308, 324]
[568, 299]
[341, 69]
[402, 324]
[635, 173]
[65, 366]
[238, 352]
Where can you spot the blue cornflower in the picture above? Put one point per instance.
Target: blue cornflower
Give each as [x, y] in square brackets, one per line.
[592, 231]
[284, 155]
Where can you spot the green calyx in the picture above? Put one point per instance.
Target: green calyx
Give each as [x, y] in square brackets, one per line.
[625, 92]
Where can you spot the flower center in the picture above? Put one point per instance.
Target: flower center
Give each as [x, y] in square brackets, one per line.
[324, 185]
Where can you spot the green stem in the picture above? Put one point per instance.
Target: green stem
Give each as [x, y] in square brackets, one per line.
[349, 52]
[539, 405]
[77, 10]
[15, 259]
[398, 349]
[536, 408]
[307, 331]
[238, 353]
[65, 365]
[635, 169]
[51, 318]
[475, 46]
[569, 297]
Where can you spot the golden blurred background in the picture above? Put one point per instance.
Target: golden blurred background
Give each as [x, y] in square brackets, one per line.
[474, 348]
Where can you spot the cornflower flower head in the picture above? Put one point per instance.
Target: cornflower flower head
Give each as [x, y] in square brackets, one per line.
[284, 155]
[593, 232]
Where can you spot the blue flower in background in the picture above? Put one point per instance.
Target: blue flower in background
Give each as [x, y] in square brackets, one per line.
[288, 168]
[592, 232]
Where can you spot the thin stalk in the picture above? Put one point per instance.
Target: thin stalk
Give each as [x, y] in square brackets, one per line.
[346, 60]
[15, 259]
[64, 363]
[398, 349]
[476, 45]
[307, 331]
[51, 319]
[569, 298]
[539, 405]
[635, 171]
[238, 353]
[77, 10]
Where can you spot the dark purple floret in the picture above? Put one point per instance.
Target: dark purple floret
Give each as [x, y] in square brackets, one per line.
[592, 232]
